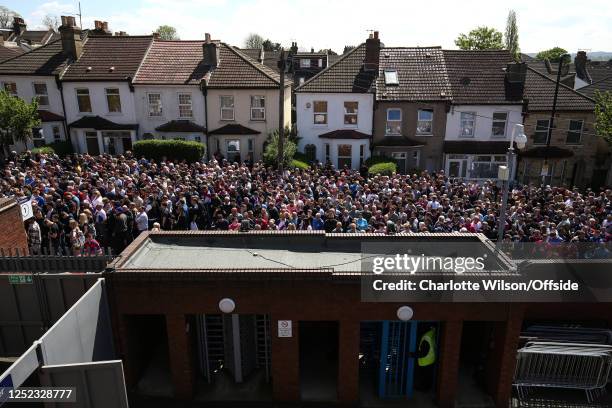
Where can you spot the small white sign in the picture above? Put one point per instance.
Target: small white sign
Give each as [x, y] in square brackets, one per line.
[26, 210]
[284, 328]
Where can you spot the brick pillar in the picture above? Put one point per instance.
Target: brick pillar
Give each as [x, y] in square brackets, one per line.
[285, 363]
[179, 350]
[348, 362]
[506, 337]
[448, 367]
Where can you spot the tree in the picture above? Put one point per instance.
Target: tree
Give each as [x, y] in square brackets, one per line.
[553, 54]
[17, 118]
[603, 114]
[511, 38]
[253, 41]
[480, 38]
[268, 45]
[51, 22]
[270, 155]
[6, 17]
[167, 32]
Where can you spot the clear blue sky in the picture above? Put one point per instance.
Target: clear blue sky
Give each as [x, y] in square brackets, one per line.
[586, 24]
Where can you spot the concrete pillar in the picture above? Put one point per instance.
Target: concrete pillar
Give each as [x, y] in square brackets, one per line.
[181, 361]
[100, 142]
[448, 366]
[285, 362]
[348, 361]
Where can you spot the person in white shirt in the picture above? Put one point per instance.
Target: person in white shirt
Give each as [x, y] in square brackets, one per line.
[142, 220]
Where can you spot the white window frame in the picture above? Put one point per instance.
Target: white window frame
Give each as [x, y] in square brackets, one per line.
[327, 152]
[493, 121]
[13, 91]
[88, 97]
[541, 130]
[387, 132]
[56, 135]
[41, 95]
[349, 157]
[416, 157]
[185, 105]
[362, 153]
[391, 77]
[261, 109]
[305, 63]
[419, 120]
[159, 112]
[324, 114]
[351, 114]
[462, 127]
[569, 125]
[106, 95]
[227, 108]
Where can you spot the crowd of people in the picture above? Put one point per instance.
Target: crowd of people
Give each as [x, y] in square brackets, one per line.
[85, 203]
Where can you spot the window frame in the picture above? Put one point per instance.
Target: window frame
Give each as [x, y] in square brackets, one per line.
[12, 92]
[392, 78]
[344, 157]
[159, 103]
[38, 96]
[56, 135]
[327, 152]
[226, 108]
[108, 106]
[303, 63]
[419, 120]
[462, 134]
[536, 131]
[387, 132]
[352, 114]
[77, 90]
[258, 108]
[325, 113]
[182, 105]
[570, 131]
[493, 121]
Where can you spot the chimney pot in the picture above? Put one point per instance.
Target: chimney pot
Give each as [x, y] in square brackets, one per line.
[376, 35]
[210, 52]
[207, 38]
[372, 57]
[19, 26]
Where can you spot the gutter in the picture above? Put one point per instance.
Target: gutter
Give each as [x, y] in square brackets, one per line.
[204, 89]
[65, 123]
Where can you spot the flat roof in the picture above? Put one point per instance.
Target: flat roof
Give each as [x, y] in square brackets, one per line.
[289, 250]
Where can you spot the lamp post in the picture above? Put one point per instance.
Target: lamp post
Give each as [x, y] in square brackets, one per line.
[505, 174]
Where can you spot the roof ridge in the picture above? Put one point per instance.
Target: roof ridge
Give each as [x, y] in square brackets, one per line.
[342, 58]
[439, 47]
[251, 62]
[560, 83]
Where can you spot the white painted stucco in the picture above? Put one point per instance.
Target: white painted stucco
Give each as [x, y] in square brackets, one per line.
[309, 132]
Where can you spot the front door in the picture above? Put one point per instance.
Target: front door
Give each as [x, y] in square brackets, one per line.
[457, 168]
[233, 150]
[93, 147]
[401, 160]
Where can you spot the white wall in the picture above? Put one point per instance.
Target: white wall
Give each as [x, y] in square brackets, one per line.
[99, 106]
[309, 132]
[483, 122]
[170, 108]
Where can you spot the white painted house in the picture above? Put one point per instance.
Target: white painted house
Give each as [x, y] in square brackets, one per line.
[487, 102]
[334, 109]
[35, 75]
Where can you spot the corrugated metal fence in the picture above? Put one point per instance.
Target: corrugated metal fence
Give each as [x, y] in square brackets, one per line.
[19, 261]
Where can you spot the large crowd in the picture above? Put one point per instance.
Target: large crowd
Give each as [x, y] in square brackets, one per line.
[84, 203]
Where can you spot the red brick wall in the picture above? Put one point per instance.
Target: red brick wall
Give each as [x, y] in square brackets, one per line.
[12, 231]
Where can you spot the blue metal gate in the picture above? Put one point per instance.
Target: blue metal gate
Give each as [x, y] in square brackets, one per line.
[397, 348]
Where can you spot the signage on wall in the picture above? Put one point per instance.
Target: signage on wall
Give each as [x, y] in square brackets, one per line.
[284, 328]
[26, 210]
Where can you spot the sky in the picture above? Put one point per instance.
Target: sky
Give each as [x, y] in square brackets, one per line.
[543, 24]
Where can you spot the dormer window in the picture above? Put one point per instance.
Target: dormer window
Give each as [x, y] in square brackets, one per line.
[391, 78]
[304, 63]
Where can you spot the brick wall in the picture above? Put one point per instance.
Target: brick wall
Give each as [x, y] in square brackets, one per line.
[12, 231]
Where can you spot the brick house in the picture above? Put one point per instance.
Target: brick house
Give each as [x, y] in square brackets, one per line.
[413, 96]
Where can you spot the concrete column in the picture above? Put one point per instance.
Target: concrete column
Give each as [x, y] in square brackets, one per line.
[448, 366]
[348, 362]
[179, 350]
[285, 362]
[100, 142]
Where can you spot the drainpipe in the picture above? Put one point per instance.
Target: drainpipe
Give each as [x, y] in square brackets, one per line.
[204, 89]
[61, 89]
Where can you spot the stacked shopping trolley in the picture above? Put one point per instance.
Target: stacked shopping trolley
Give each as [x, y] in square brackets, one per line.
[563, 364]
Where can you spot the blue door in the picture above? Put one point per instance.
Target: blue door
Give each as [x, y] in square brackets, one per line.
[397, 361]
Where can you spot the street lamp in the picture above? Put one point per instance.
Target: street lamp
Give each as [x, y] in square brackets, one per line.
[505, 174]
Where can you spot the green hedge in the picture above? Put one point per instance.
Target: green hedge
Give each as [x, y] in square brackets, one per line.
[386, 168]
[43, 150]
[378, 159]
[300, 157]
[299, 164]
[169, 149]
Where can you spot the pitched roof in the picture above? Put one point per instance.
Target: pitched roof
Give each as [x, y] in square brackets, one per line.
[478, 77]
[9, 52]
[172, 62]
[540, 90]
[234, 129]
[111, 58]
[180, 126]
[99, 123]
[47, 116]
[602, 85]
[45, 60]
[237, 70]
[344, 134]
[346, 75]
[421, 72]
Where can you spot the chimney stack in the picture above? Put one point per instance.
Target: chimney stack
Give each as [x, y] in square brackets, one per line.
[72, 45]
[580, 62]
[19, 26]
[516, 73]
[294, 48]
[372, 55]
[211, 51]
[101, 28]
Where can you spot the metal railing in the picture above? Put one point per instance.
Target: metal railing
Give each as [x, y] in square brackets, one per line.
[20, 260]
